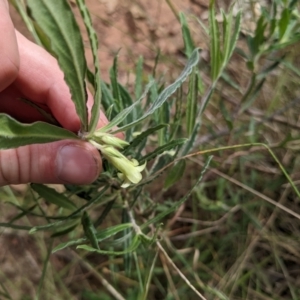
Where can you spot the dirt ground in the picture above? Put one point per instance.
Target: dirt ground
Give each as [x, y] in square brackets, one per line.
[134, 28]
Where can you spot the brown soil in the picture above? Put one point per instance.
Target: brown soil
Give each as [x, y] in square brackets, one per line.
[134, 28]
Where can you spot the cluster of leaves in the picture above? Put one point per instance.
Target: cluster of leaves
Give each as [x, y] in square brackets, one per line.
[155, 112]
[55, 27]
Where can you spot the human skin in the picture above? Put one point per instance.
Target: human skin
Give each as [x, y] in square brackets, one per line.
[28, 71]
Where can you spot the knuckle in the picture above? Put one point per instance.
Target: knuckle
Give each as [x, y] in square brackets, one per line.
[9, 69]
[13, 166]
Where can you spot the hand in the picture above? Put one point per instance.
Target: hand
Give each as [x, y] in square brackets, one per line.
[28, 71]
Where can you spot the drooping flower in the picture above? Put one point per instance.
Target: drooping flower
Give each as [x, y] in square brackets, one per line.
[104, 138]
[130, 170]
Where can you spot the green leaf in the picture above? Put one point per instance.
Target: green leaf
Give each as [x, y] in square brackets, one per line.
[226, 114]
[141, 137]
[180, 202]
[55, 226]
[160, 162]
[138, 88]
[107, 99]
[265, 72]
[94, 47]
[231, 37]
[259, 37]
[161, 149]
[189, 145]
[135, 243]
[48, 116]
[14, 226]
[57, 21]
[175, 174]
[14, 134]
[127, 101]
[111, 231]
[164, 118]
[292, 67]
[113, 73]
[191, 108]
[68, 244]
[100, 235]
[127, 258]
[52, 196]
[104, 213]
[284, 22]
[215, 50]
[20, 7]
[178, 115]
[167, 92]
[89, 229]
[64, 231]
[124, 113]
[188, 41]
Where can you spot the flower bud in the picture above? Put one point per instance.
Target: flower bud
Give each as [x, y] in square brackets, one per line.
[130, 169]
[109, 139]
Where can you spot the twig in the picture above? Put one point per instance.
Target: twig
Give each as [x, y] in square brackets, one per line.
[178, 271]
[101, 278]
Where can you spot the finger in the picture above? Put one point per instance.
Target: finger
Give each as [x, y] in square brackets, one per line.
[60, 162]
[11, 104]
[41, 80]
[9, 58]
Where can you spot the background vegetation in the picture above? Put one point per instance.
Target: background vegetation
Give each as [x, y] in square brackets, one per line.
[216, 215]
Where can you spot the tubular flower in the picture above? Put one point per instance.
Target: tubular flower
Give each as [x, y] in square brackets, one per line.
[130, 171]
[109, 139]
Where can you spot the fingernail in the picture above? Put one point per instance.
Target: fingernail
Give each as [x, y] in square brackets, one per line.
[76, 165]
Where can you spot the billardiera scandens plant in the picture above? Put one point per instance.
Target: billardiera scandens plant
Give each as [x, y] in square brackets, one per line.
[61, 37]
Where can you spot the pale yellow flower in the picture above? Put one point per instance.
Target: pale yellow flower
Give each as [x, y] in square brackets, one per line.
[130, 171]
[109, 139]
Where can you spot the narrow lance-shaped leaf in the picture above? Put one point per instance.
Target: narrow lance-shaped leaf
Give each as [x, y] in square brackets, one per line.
[141, 137]
[181, 201]
[215, 51]
[175, 174]
[164, 118]
[48, 116]
[14, 134]
[189, 145]
[52, 196]
[64, 231]
[100, 235]
[192, 97]
[111, 231]
[28, 22]
[89, 229]
[168, 91]
[124, 113]
[235, 35]
[113, 74]
[161, 149]
[188, 41]
[134, 245]
[68, 244]
[284, 22]
[227, 24]
[94, 46]
[57, 21]
[139, 78]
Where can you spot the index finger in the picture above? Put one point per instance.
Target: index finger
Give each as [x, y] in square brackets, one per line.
[41, 80]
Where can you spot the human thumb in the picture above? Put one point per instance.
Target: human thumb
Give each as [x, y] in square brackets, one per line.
[59, 162]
